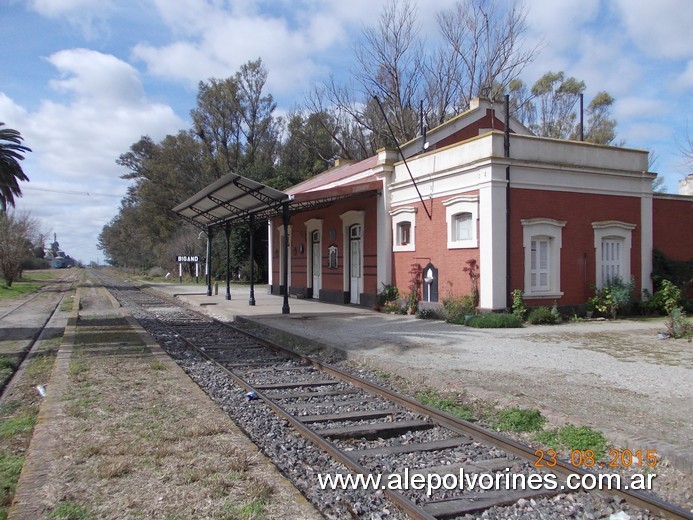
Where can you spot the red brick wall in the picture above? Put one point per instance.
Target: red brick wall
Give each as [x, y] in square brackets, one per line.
[332, 279]
[432, 246]
[578, 259]
[673, 227]
[486, 122]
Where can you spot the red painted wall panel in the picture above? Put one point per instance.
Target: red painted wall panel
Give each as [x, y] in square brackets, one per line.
[673, 227]
[332, 279]
[578, 259]
[432, 246]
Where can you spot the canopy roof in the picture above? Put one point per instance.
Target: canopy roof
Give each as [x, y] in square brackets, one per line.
[229, 199]
[234, 198]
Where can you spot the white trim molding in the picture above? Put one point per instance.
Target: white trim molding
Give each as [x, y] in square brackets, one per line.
[456, 206]
[313, 224]
[399, 217]
[349, 219]
[287, 283]
[546, 231]
[615, 230]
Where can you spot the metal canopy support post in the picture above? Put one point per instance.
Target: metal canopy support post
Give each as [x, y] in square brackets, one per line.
[227, 230]
[285, 254]
[208, 261]
[251, 227]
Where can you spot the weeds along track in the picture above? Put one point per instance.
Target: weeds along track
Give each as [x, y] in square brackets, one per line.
[316, 420]
[18, 338]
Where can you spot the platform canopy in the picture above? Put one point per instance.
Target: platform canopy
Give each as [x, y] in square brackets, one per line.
[232, 198]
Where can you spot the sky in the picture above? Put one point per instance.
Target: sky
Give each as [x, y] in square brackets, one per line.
[82, 80]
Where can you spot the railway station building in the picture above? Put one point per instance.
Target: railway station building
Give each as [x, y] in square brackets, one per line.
[479, 203]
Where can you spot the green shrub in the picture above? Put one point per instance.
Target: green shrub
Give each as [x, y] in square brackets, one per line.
[668, 296]
[430, 314]
[448, 404]
[457, 308]
[678, 326]
[519, 308]
[518, 420]
[572, 437]
[540, 316]
[613, 298]
[495, 321]
[389, 293]
[544, 316]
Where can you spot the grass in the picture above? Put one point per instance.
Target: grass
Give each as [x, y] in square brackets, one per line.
[518, 420]
[18, 420]
[448, 404]
[8, 365]
[31, 281]
[495, 321]
[10, 468]
[23, 421]
[70, 510]
[572, 437]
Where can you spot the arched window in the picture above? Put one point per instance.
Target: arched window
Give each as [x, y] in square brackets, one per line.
[542, 240]
[462, 213]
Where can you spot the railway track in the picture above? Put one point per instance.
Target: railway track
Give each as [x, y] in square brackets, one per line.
[17, 341]
[315, 419]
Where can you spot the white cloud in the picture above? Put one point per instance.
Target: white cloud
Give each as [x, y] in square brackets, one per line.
[218, 43]
[13, 115]
[660, 28]
[685, 80]
[638, 107]
[558, 21]
[102, 78]
[76, 142]
[55, 8]
[89, 16]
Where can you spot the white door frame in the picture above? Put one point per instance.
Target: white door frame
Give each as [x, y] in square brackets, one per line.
[314, 224]
[349, 219]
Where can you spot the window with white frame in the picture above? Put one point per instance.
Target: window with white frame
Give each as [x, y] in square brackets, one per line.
[462, 227]
[403, 233]
[540, 271]
[612, 244]
[542, 241]
[461, 215]
[404, 229]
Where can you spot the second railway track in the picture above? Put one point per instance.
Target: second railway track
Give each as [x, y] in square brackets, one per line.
[315, 420]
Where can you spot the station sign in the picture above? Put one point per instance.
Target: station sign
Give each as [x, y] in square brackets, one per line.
[183, 258]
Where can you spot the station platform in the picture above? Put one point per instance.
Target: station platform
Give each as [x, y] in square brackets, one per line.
[616, 376]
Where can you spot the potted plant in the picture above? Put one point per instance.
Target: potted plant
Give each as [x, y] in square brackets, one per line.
[590, 306]
[412, 302]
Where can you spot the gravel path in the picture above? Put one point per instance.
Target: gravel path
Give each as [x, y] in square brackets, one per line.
[615, 376]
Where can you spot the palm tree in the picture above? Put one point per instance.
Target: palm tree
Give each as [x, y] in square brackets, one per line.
[11, 150]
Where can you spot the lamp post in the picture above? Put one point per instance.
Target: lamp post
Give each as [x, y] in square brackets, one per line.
[429, 280]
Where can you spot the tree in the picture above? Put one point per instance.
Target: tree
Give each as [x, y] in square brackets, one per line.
[17, 233]
[308, 148]
[480, 53]
[234, 119]
[551, 109]
[11, 152]
[687, 153]
[485, 41]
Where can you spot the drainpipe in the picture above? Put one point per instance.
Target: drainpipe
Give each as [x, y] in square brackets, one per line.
[506, 148]
[582, 120]
[251, 226]
[285, 253]
[209, 261]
